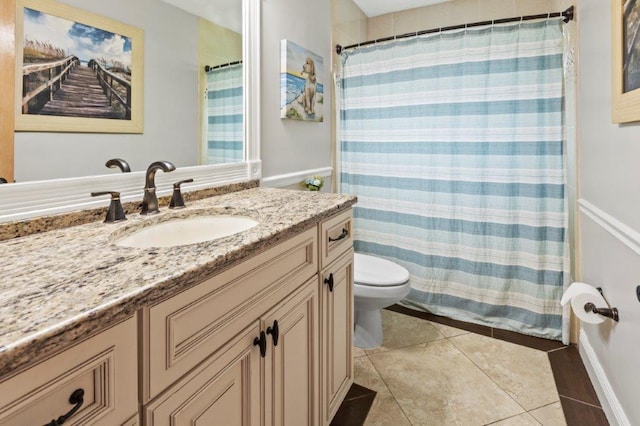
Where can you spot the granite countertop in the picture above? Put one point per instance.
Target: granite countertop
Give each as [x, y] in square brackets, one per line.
[58, 287]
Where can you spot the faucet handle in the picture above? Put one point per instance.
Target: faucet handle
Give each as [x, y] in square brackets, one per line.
[115, 213]
[177, 202]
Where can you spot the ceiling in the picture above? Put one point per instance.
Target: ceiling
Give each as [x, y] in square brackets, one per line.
[373, 8]
[226, 13]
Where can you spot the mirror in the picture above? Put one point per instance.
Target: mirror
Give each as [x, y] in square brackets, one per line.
[221, 86]
[179, 42]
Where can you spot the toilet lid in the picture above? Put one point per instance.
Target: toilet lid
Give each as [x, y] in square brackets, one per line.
[374, 271]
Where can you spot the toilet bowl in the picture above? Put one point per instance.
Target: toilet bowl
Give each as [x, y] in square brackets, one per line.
[377, 283]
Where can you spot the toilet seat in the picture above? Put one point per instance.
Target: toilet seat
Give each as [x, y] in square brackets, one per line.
[376, 272]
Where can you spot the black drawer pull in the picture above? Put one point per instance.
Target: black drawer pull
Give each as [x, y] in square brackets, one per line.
[76, 398]
[274, 332]
[262, 343]
[345, 234]
[329, 282]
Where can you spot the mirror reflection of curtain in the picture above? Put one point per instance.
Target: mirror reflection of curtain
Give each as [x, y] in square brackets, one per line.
[224, 107]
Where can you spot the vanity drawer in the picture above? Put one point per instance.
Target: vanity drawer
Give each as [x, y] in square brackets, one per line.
[187, 328]
[105, 367]
[336, 237]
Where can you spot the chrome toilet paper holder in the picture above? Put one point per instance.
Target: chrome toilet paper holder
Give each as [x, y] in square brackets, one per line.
[607, 312]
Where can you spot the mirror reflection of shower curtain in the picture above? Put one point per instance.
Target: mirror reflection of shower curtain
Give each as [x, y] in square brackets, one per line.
[453, 143]
[224, 115]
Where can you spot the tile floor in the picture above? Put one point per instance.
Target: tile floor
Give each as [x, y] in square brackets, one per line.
[579, 403]
[427, 373]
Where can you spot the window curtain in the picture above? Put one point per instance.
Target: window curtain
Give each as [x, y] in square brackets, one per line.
[224, 109]
[453, 143]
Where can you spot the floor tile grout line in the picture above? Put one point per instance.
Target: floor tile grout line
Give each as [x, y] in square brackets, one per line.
[374, 393]
[545, 405]
[406, 347]
[548, 405]
[581, 402]
[492, 379]
[512, 417]
[390, 392]
[558, 349]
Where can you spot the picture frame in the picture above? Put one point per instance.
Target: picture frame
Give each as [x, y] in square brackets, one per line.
[625, 47]
[301, 85]
[76, 71]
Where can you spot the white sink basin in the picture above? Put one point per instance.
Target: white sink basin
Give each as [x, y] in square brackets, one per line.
[179, 232]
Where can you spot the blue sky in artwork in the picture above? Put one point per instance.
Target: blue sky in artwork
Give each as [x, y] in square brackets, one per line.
[96, 35]
[84, 41]
[296, 56]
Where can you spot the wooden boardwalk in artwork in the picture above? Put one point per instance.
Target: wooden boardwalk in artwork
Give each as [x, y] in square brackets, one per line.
[80, 95]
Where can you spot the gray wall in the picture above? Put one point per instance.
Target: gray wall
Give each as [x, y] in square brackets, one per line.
[170, 102]
[609, 164]
[289, 146]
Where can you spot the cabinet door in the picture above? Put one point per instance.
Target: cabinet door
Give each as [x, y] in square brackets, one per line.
[102, 369]
[222, 391]
[291, 373]
[336, 310]
[187, 328]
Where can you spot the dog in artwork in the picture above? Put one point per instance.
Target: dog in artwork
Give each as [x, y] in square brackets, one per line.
[308, 97]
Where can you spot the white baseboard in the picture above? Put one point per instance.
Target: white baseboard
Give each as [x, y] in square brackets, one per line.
[294, 178]
[608, 400]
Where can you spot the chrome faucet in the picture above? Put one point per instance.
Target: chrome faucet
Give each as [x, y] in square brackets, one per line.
[150, 201]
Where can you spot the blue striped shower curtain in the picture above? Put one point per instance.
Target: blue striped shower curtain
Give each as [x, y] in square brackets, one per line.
[453, 143]
[224, 107]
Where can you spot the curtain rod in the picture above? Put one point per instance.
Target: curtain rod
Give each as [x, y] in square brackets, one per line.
[567, 15]
[208, 68]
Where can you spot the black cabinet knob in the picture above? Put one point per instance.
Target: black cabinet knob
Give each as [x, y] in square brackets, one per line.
[329, 282]
[274, 331]
[262, 343]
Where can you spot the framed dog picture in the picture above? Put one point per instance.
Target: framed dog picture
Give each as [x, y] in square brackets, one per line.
[301, 91]
[76, 71]
[625, 15]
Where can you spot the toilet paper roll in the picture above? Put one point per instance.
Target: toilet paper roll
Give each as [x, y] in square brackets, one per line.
[579, 294]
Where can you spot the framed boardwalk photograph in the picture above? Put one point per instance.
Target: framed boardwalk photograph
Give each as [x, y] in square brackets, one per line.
[76, 71]
[625, 15]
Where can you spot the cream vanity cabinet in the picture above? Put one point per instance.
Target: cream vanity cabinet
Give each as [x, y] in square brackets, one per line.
[266, 342]
[102, 369]
[254, 345]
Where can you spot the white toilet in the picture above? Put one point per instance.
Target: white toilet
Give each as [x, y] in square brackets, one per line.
[377, 283]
